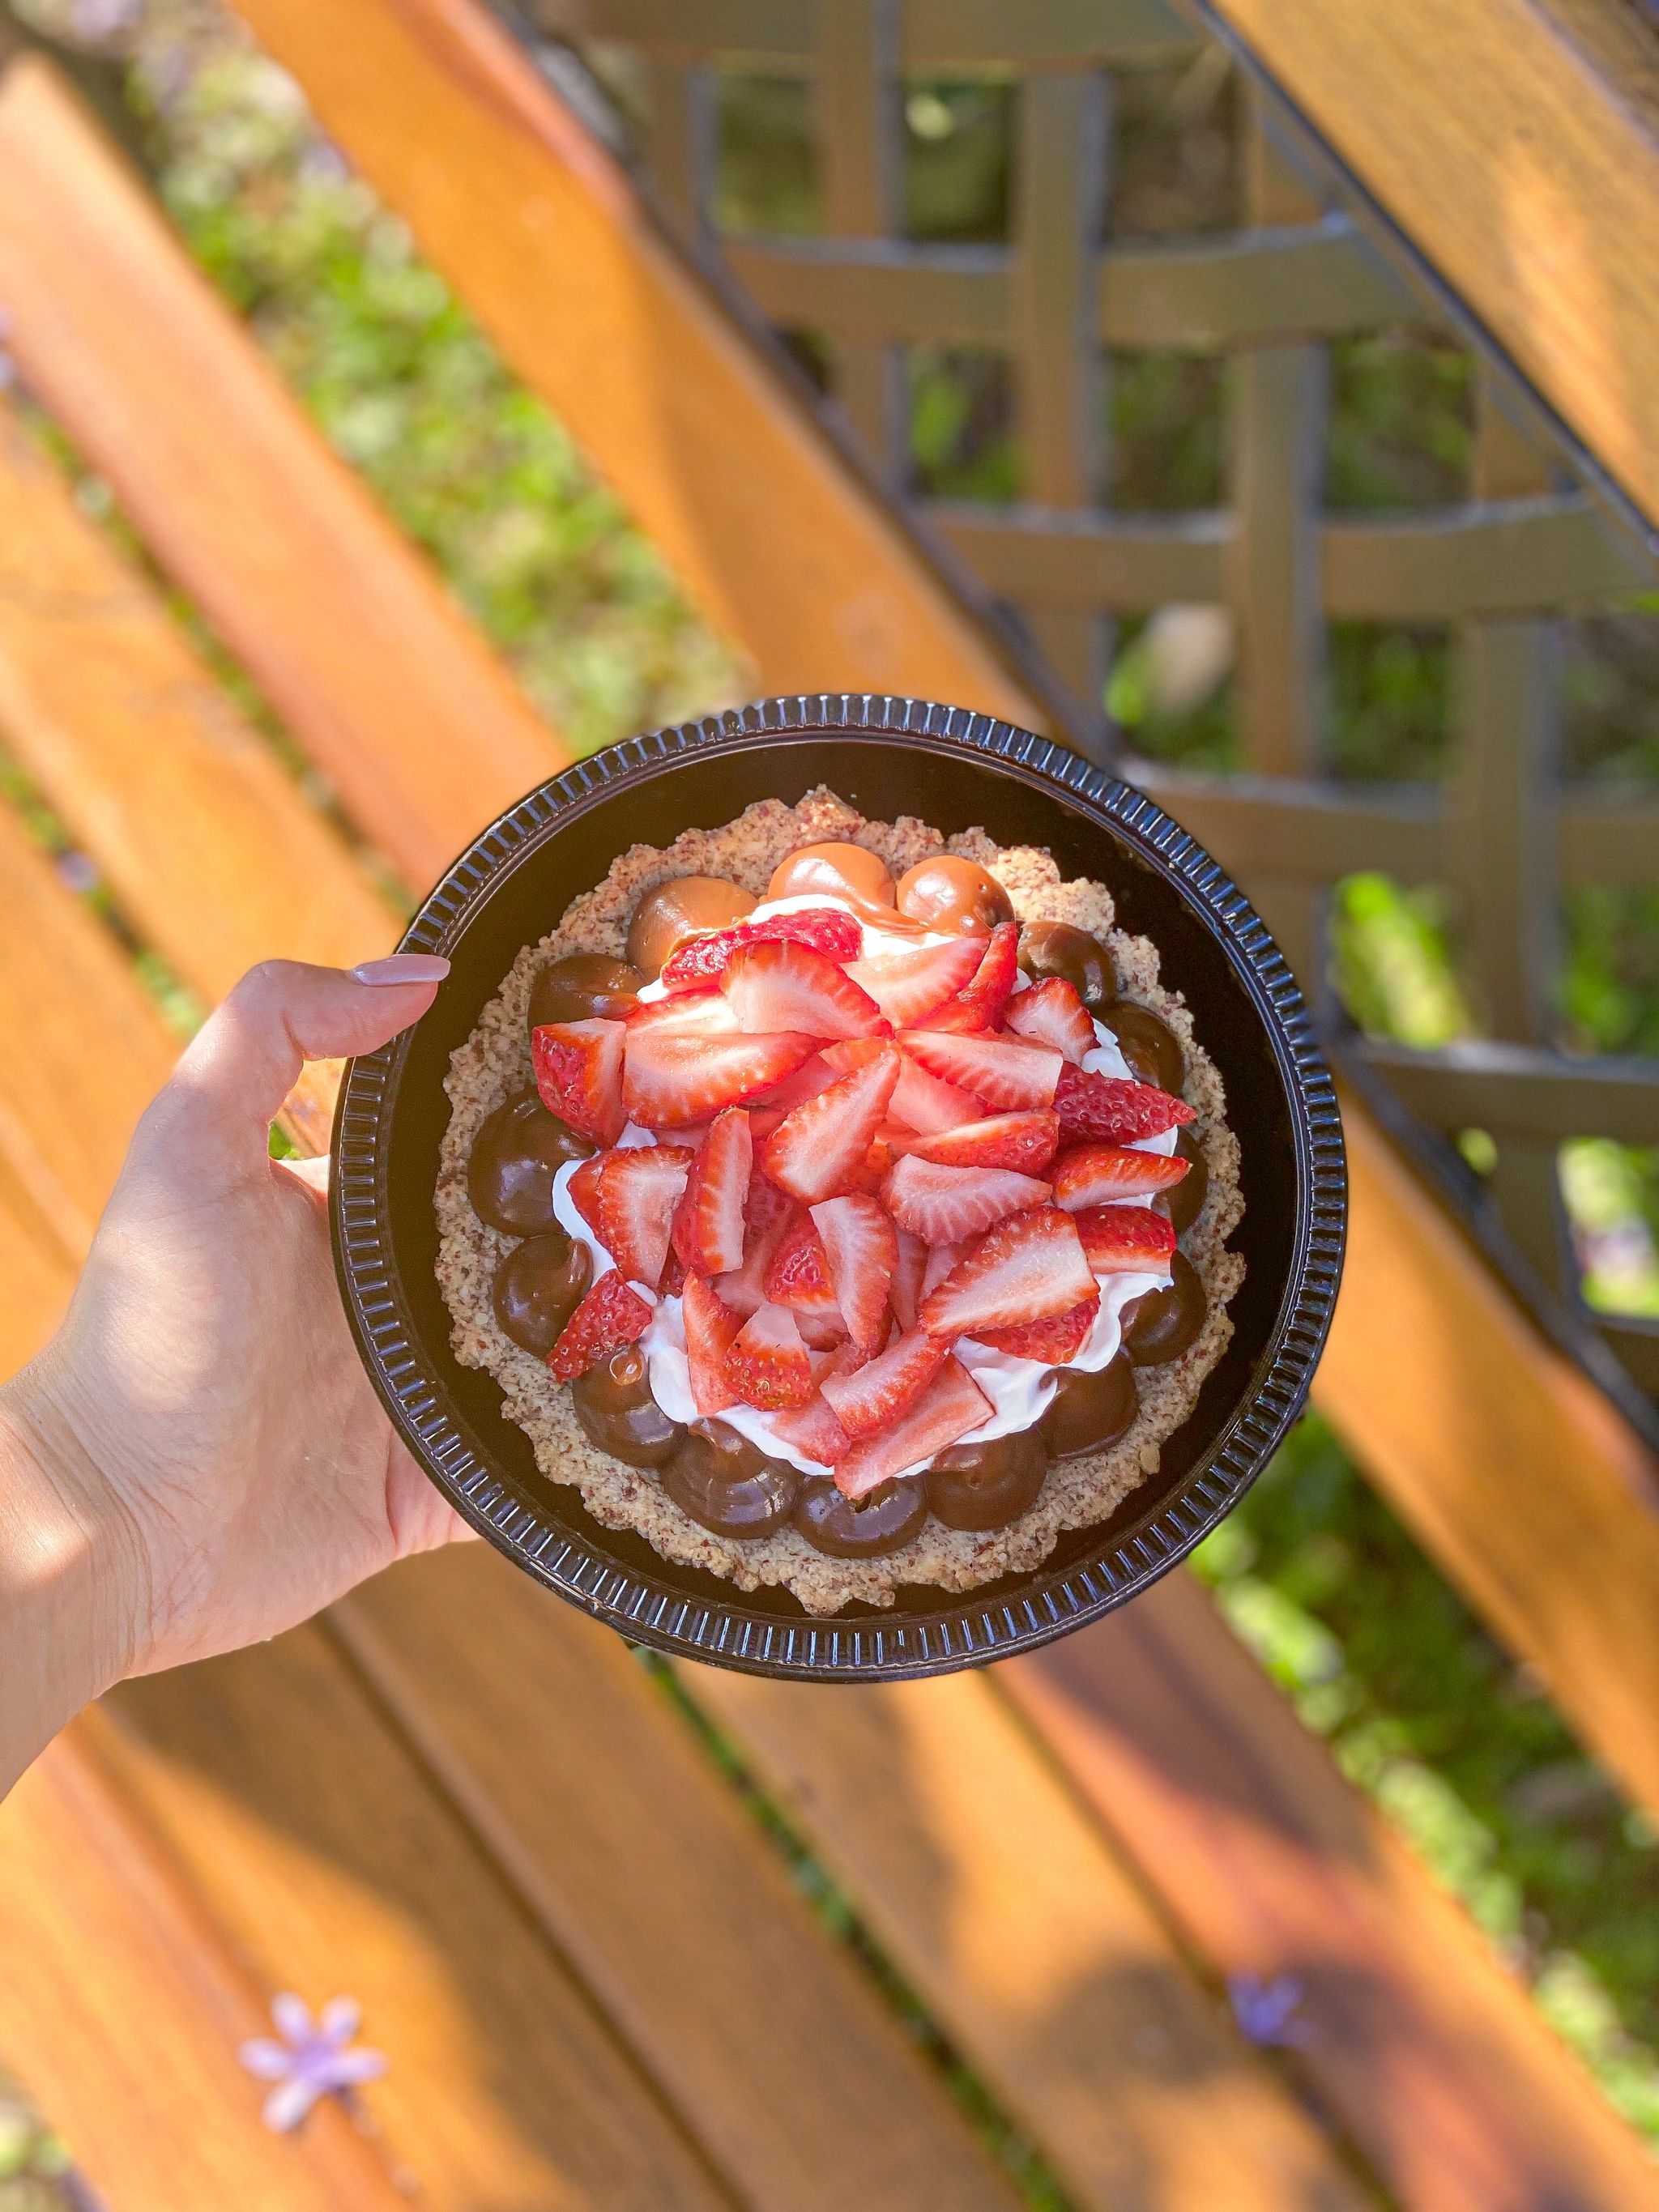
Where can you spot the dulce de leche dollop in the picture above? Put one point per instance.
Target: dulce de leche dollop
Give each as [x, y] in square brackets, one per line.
[957, 897]
[680, 909]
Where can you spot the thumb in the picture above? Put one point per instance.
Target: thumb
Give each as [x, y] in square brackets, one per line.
[229, 1085]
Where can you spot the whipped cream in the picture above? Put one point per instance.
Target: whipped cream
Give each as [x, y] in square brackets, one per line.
[1019, 1390]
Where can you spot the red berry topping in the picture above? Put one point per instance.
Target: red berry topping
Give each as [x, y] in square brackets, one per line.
[904, 1291]
[1091, 1174]
[1025, 1141]
[767, 1364]
[819, 1149]
[929, 1105]
[946, 1411]
[781, 985]
[1120, 1240]
[579, 1074]
[583, 1190]
[766, 1217]
[612, 1314]
[1051, 1013]
[706, 1012]
[1055, 1341]
[704, 959]
[669, 1078]
[1115, 1110]
[873, 1397]
[798, 1277]
[1000, 1070]
[1026, 1268]
[943, 1205]
[708, 1224]
[812, 1428]
[861, 1247]
[638, 1190]
[710, 1327]
[979, 1004]
[907, 985]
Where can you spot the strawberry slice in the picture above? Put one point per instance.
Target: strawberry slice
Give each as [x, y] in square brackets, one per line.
[709, 1222]
[874, 1396]
[583, 1190]
[809, 1078]
[1126, 1240]
[979, 1004]
[946, 1411]
[638, 1190]
[941, 1259]
[1000, 1070]
[706, 1013]
[1093, 1174]
[1026, 1268]
[1113, 1109]
[767, 1364]
[943, 1205]
[778, 984]
[1051, 1013]
[612, 1314]
[907, 985]
[704, 959]
[798, 1277]
[812, 1428]
[1055, 1341]
[710, 1329]
[1025, 1141]
[904, 1291]
[861, 1247]
[818, 1149]
[767, 1216]
[579, 1074]
[929, 1104]
[849, 1053]
[669, 1078]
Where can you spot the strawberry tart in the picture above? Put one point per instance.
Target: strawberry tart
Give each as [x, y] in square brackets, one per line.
[840, 1207]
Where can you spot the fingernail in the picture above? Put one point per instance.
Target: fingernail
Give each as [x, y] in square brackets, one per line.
[404, 968]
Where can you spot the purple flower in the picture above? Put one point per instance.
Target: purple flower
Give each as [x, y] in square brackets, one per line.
[1265, 2011]
[311, 2060]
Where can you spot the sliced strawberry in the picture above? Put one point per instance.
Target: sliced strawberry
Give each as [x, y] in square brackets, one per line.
[673, 1275]
[818, 1149]
[979, 1004]
[861, 1246]
[813, 1076]
[706, 1013]
[1113, 1109]
[1026, 1141]
[710, 1329]
[1055, 1341]
[945, 1412]
[929, 1105]
[874, 1396]
[1026, 1268]
[941, 1260]
[579, 1074]
[767, 1216]
[1051, 1013]
[849, 1053]
[638, 1190]
[812, 1428]
[943, 1205]
[669, 1078]
[704, 959]
[583, 1190]
[998, 1070]
[798, 1277]
[907, 985]
[904, 1291]
[780, 984]
[767, 1364]
[709, 1222]
[1093, 1174]
[1126, 1240]
[612, 1314]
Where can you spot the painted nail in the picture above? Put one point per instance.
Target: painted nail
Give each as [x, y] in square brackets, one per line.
[404, 968]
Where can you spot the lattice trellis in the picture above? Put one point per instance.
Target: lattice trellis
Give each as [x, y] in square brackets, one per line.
[1504, 828]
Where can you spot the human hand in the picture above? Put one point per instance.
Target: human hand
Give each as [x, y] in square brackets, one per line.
[200, 1442]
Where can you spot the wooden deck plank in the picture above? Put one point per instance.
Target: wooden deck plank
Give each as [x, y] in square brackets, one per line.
[314, 1840]
[656, 1880]
[348, 631]
[1271, 1864]
[37, 1278]
[123, 2009]
[538, 229]
[138, 749]
[1000, 1903]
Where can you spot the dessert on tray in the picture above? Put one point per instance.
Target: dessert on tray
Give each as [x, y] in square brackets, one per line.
[840, 1207]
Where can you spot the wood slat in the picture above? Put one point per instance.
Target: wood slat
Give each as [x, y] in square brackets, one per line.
[123, 2008]
[314, 1839]
[1522, 163]
[535, 226]
[37, 1278]
[139, 751]
[1433, 2056]
[1023, 1935]
[346, 630]
[656, 1881]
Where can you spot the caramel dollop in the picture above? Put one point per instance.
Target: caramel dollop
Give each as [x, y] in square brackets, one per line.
[1183, 1201]
[987, 1485]
[1055, 948]
[680, 909]
[955, 896]
[1089, 1411]
[884, 1522]
[515, 1155]
[538, 1286]
[584, 987]
[838, 871]
[614, 1404]
[1160, 1325]
[727, 1484]
[1150, 1047]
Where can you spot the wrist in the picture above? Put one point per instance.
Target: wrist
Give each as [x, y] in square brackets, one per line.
[72, 1578]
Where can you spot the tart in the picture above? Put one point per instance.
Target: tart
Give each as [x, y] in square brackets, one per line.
[840, 1207]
